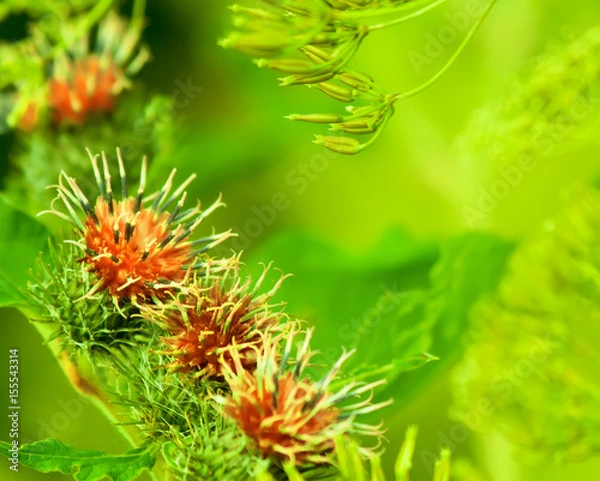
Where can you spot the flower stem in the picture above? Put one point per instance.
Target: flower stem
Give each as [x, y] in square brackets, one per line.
[381, 12]
[81, 383]
[138, 15]
[405, 18]
[444, 69]
[93, 17]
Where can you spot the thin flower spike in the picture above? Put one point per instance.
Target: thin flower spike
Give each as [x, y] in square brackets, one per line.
[214, 317]
[137, 251]
[288, 416]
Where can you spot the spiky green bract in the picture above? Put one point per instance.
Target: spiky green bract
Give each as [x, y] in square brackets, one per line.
[533, 371]
[137, 248]
[84, 323]
[288, 416]
[214, 450]
[214, 315]
[178, 413]
[157, 402]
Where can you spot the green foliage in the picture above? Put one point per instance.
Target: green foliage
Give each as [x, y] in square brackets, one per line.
[411, 316]
[36, 9]
[378, 277]
[531, 371]
[21, 241]
[551, 109]
[50, 455]
[437, 320]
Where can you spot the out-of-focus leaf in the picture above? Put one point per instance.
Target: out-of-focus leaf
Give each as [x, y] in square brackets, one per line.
[21, 241]
[436, 322]
[396, 313]
[337, 290]
[211, 155]
[532, 369]
[50, 456]
[36, 8]
[9, 294]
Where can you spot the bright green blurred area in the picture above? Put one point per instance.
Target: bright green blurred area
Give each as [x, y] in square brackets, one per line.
[376, 218]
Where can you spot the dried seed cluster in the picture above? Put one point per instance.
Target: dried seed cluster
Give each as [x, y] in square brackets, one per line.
[312, 42]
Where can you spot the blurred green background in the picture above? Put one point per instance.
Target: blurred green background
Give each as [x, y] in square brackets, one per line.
[349, 228]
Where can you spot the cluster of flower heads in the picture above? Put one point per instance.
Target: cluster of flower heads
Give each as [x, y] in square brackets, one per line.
[84, 79]
[214, 325]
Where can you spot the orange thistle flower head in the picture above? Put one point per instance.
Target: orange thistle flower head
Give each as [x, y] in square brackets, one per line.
[83, 82]
[288, 416]
[214, 317]
[135, 246]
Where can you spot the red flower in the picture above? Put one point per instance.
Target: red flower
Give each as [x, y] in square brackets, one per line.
[136, 248]
[83, 82]
[90, 87]
[285, 413]
[214, 317]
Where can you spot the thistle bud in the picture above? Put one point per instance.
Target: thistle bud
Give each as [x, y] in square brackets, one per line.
[355, 126]
[317, 118]
[359, 81]
[137, 249]
[284, 413]
[308, 78]
[335, 91]
[341, 145]
[287, 65]
[213, 318]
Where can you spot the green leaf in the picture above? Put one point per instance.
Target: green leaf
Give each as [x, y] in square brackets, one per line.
[436, 321]
[50, 455]
[404, 460]
[395, 304]
[533, 349]
[22, 239]
[10, 295]
[351, 295]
